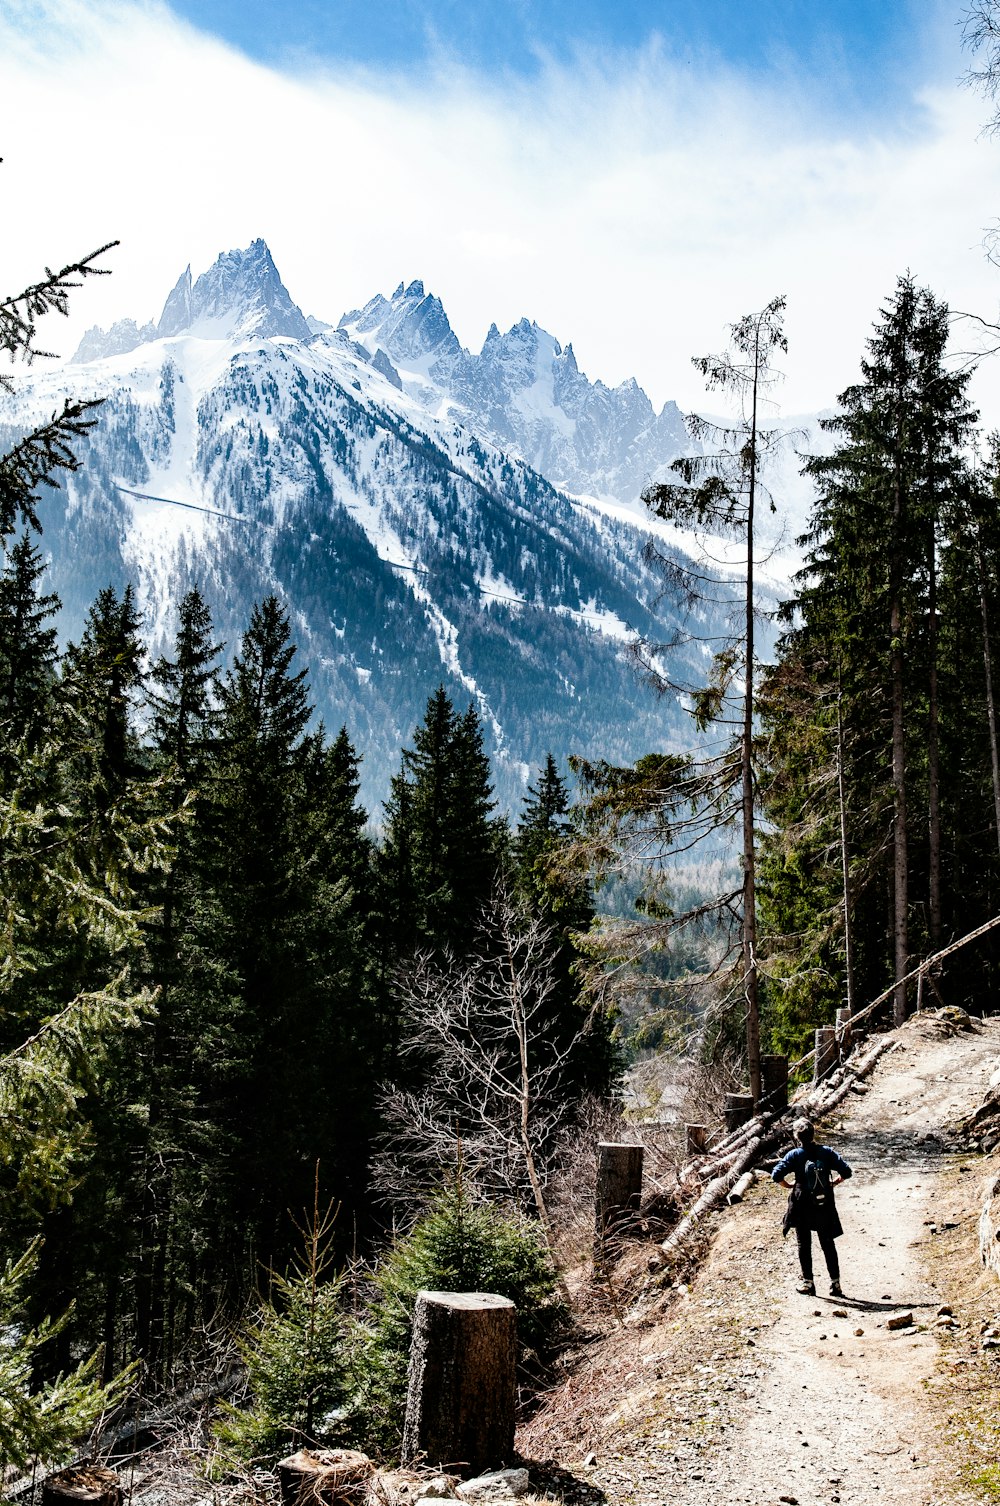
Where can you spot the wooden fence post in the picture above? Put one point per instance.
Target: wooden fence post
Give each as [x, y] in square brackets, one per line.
[843, 1031]
[826, 1052]
[738, 1110]
[462, 1381]
[774, 1083]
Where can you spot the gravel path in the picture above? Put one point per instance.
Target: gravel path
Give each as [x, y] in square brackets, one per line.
[740, 1391]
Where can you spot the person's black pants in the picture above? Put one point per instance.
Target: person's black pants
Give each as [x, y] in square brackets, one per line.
[827, 1244]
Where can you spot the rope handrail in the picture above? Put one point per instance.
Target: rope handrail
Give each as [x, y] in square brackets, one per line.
[929, 962]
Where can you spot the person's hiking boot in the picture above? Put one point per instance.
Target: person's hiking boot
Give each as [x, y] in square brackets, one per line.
[835, 1290]
[806, 1288]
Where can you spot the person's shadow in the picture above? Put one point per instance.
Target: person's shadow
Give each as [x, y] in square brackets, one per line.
[862, 1304]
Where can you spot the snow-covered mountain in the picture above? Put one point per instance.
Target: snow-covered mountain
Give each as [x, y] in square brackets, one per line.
[524, 392]
[359, 473]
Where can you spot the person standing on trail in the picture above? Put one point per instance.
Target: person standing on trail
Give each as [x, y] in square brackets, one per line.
[811, 1205]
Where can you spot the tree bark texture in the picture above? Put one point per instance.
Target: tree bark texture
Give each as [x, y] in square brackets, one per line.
[774, 1084]
[618, 1189]
[462, 1381]
[738, 1109]
[826, 1052]
[750, 974]
[933, 764]
[990, 704]
[845, 860]
[900, 851]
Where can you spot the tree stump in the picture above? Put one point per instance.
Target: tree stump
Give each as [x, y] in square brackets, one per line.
[774, 1083]
[324, 1475]
[737, 1110]
[618, 1190]
[826, 1052]
[697, 1138]
[82, 1485]
[462, 1381]
[843, 1031]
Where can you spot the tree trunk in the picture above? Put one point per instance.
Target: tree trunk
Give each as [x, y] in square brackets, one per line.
[900, 866]
[845, 861]
[990, 705]
[462, 1381]
[933, 763]
[750, 974]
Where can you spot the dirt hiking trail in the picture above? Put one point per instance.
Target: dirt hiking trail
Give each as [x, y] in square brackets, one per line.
[737, 1390]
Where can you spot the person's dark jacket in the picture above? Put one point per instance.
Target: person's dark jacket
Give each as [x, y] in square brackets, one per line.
[803, 1212]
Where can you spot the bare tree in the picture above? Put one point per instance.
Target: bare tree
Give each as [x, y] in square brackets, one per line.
[482, 1038]
[981, 35]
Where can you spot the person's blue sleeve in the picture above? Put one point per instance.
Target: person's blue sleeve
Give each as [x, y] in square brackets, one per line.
[838, 1163]
[785, 1165]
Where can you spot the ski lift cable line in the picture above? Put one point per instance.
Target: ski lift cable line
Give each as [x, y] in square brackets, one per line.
[211, 512]
[232, 517]
[916, 972]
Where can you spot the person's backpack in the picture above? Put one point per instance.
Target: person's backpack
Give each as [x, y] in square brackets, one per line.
[816, 1181]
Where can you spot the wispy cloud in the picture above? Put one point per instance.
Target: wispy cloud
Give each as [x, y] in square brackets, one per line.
[632, 204]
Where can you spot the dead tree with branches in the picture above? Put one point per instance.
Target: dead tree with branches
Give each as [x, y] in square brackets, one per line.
[482, 1041]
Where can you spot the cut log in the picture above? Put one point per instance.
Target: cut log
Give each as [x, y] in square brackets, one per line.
[82, 1485]
[462, 1381]
[741, 1188]
[324, 1475]
[618, 1190]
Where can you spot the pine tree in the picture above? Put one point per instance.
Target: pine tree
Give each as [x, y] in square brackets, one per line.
[27, 650]
[443, 845]
[560, 896]
[102, 681]
[868, 620]
[721, 492]
[182, 694]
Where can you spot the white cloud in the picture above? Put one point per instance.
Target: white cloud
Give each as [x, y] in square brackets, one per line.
[634, 205]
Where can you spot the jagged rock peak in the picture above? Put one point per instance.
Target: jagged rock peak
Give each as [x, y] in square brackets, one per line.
[411, 327]
[241, 294]
[123, 336]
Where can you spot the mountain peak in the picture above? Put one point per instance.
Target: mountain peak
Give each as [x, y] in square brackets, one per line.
[241, 294]
[411, 329]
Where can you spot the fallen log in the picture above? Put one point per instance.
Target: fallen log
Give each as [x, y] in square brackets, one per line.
[741, 1188]
[716, 1192]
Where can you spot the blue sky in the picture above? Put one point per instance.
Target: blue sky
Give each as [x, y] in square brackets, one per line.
[859, 56]
[634, 177]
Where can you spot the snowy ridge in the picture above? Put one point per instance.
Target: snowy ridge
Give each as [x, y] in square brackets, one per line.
[346, 471]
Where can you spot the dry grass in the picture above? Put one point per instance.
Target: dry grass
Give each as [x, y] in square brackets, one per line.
[968, 1379]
